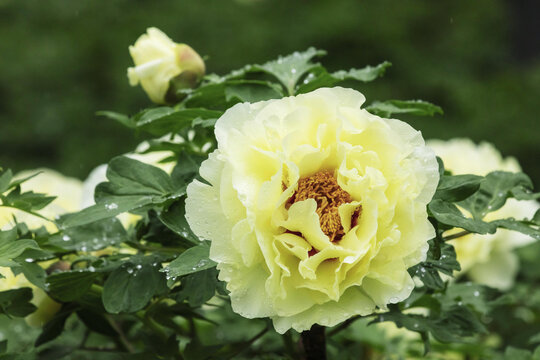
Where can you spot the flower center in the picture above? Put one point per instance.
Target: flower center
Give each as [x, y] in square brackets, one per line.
[324, 189]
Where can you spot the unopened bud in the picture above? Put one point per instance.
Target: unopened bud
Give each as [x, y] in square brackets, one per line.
[160, 62]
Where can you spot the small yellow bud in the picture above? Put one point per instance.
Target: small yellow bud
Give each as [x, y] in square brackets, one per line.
[160, 61]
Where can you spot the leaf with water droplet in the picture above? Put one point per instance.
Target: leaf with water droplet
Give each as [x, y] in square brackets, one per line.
[192, 260]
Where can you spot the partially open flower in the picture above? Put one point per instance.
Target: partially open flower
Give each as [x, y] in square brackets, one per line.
[315, 209]
[158, 61]
[486, 259]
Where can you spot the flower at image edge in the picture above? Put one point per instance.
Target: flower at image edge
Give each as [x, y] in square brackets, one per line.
[486, 259]
[315, 209]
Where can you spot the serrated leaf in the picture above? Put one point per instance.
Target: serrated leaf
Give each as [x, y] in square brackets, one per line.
[447, 213]
[318, 76]
[27, 201]
[493, 192]
[457, 187]
[131, 286]
[164, 120]
[16, 302]
[412, 107]
[70, 285]
[132, 185]
[289, 69]
[10, 249]
[523, 227]
[91, 237]
[199, 287]
[190, 261]
[441, 259]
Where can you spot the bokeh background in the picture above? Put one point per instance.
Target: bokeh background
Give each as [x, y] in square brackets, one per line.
[63, 60]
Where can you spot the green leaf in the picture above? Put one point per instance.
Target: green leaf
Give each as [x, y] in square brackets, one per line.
[96, 322]
[54, 327]
[34, 273]
[17, 302]
[164, 120]
[440, 258]
[457, 187]
[132, 185]
[535, 339]
[252, 91]
[70, 285]
[131, 177]
[512, 353]
[447, 213]
[175, 219]
[121, 118]
[3, 346]
[5, 179]
[199, 287]
[91, 237]
[190, 261]
[11, 248]
[493, 192]
[289, 69]
[523, 227]
[472, 295]
[318, 76]
[412, 107]
[131, 286]
[27, 201]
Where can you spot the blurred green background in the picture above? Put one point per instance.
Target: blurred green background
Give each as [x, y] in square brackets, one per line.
[63, 60]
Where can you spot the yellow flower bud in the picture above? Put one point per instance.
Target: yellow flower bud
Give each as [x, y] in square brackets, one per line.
[158, 61]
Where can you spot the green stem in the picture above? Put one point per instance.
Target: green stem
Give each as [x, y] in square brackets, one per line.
[343, 325]
[124, 342]
[142, 247]
[248, 343]
[457, 235]
[314, 343]
[28, 212]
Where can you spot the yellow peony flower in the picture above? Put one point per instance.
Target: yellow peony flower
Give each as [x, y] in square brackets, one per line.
[68, 192]
[315, 209]
[486, 259]
[159, 60]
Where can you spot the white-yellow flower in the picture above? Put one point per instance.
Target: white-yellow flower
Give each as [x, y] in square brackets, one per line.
[158, 60]
[315, 209]
[486, 259]
[68, 192]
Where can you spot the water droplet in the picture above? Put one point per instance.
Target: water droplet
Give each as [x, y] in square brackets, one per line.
[129, 271]
[139, 267]
[29, 260]
[66, 238]
[415, 325]
[91, 269]
[293, 70]
[111, 206]
[460, 303]
[476, 293]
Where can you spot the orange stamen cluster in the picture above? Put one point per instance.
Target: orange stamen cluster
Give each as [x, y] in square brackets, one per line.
[324, 189]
